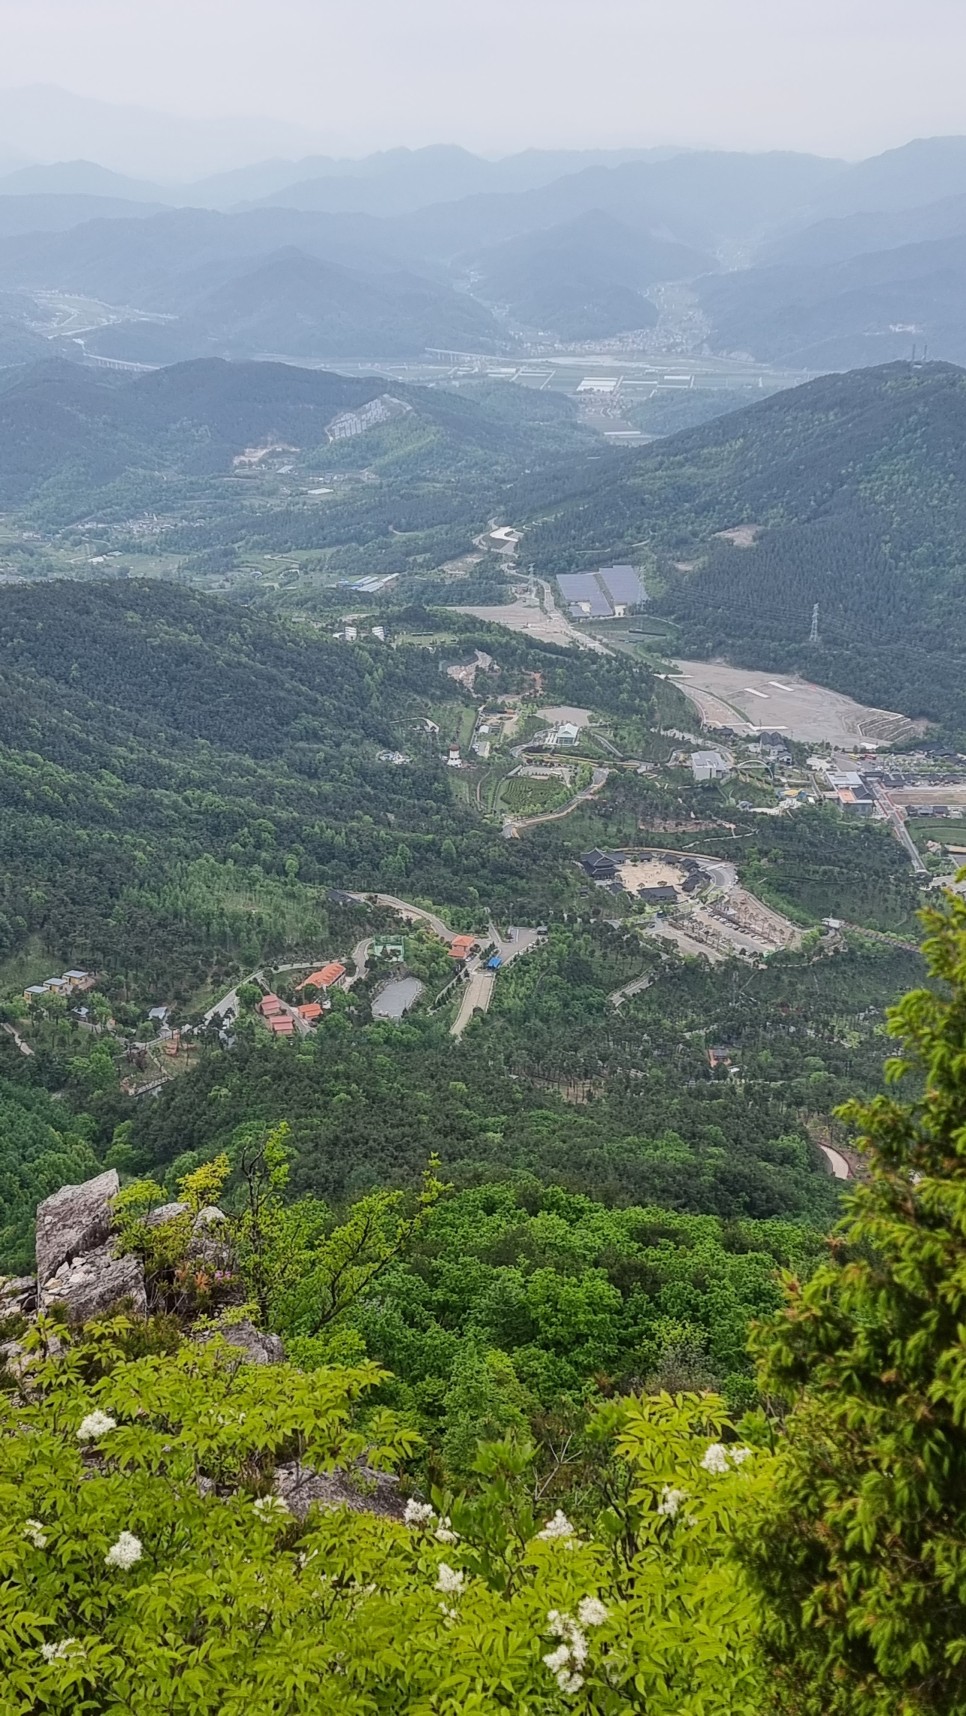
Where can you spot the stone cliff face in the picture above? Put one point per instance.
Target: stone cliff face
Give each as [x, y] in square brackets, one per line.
[79, 1273]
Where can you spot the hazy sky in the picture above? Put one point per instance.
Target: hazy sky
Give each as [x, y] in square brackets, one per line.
[840, 76]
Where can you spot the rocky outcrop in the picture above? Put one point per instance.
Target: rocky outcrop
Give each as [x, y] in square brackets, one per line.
[209, 1242]
[252, 1343]
[76, 1266]
[95, 1284]
[75, 1220]
[165, 1213]
[359, 1488]
[18, 1296]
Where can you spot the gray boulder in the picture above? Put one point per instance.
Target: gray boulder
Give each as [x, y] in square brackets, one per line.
[359, 1487]
[73, 1221]
[95, 1284]
[259, 1348]
[165, 1213]
[209, 1238]
[17, 1294]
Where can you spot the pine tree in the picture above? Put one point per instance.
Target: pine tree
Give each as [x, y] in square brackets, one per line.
[860, 1554]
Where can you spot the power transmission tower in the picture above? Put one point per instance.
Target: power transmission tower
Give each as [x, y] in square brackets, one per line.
[813, 634]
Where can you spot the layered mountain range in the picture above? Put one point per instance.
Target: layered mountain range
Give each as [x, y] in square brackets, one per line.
[794, 259]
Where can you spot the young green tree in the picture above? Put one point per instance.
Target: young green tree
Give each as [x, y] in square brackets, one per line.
[150, 1565]
[860, 1552]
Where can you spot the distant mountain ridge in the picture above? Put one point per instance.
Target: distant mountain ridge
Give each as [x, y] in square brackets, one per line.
[791, 259]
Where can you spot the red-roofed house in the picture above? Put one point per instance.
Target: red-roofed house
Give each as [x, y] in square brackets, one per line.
[269, 1006]
[283, 1025]
[311, 1010]
[462, 946]
[328, 977]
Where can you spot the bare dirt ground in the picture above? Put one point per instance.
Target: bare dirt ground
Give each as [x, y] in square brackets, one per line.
[547, 623]
[929, 795]
[656, 873]
[728, 696]
[741, 535]
[519, 617]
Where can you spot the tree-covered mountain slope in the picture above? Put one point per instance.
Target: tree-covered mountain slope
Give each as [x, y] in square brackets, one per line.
[180, 780]
[865, 309]
[72, 435]
[584, 279]
[856, 485]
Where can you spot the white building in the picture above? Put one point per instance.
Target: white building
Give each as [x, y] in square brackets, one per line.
[708, 766]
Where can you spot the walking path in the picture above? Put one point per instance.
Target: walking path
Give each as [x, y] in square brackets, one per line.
[515, 825]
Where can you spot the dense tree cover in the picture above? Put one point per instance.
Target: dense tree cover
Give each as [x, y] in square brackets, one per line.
[409, 492]
[44, 1145]
[811, 1566]
[669, 410]
[647, 1120]
[538, 1301]
[208, 772]
[81, 429]
[856, 484]
[147, 1555]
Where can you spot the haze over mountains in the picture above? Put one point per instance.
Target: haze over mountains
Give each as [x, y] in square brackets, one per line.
[801, 261]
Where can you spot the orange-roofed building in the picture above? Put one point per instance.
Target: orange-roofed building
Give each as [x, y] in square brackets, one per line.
[269, 1006]
[311, 1010]
[326, 978]
[461, 946]
[283, 1025]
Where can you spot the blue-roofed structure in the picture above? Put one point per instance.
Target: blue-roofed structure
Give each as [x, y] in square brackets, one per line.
[623, 585]
[603, 595]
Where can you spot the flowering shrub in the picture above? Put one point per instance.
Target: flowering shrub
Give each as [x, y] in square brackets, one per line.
[148, 1566]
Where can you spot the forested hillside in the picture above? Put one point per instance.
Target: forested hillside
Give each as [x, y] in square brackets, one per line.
[233, 459]
[178, 779]
[856, 486]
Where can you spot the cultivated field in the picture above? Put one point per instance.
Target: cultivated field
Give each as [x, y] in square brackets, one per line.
[740, 697]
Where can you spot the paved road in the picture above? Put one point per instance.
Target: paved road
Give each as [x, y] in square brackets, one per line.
[635, 987]
[477, 995]
[412, 914]
[360, 959]
[899, 828]
[479, 986]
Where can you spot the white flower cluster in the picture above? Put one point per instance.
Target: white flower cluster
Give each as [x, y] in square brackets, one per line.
[449, 1580]
[718, 1459]
[559, 1526]
[57, 1652]
[418, 1513]
[95, 1425]
[566, 1661]
[271, 1507]
[125, 1552]
[36, 1533]
[670, 1502]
